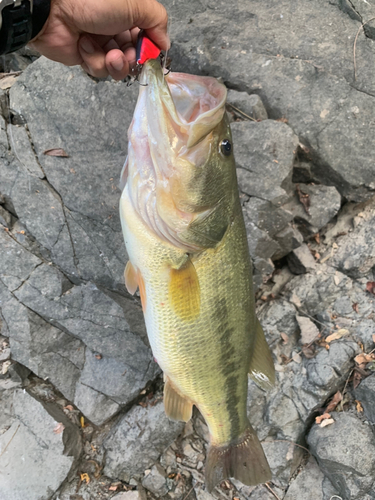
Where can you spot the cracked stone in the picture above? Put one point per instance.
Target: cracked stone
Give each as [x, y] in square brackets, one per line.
[137, 440]
[308, 484]
[365, 393]
[356, 253]
[16, 263]
[34, 464]
[155, 481]
[85, 238]
[304, 79]
[300, 261]
[288, 239]
[264, 154]
[325, 202]
[266, 216]
[251, 105]
[345, 452]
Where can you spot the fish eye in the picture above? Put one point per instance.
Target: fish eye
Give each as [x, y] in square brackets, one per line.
[226, 147]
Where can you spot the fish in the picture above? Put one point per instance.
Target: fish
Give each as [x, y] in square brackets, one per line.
[188, 254]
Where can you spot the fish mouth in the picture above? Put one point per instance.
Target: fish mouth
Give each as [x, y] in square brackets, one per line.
[193, 105]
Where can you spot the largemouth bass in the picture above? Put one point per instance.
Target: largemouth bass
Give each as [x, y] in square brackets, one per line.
[185, 236]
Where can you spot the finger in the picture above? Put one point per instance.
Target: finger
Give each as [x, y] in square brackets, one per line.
[93, 56]
[127, 38]
[117, 64]
[153, 18]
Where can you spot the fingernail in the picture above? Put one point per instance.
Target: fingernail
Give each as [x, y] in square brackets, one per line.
[87, 45]
[118, 64]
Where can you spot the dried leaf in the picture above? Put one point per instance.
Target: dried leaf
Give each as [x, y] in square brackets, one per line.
[334, 402]
[309, 331]
[319, 419]
[284, 359]
[370, 287]
[285, 337]
[56, 152]
[317, 238]
[59, 428]
[308, 351]
[329, 421]
[373, 338]
[357, 377]
[69, 407]
[296, 357]
[85, 477]
[295, 300]
[304, 198]
[7, 81]
[337, 335]
[359, 406]
[355, 307]
[113, 488]
[364, 358]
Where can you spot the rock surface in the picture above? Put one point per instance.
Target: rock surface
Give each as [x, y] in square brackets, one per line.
[75, 340]
[138, 439]
[346, 452]
[37, 475]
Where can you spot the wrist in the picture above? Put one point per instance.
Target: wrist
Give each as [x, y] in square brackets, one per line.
[20, 21]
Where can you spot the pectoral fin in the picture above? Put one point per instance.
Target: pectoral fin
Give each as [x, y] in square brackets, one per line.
[131, 279]
[262, 369]
[176, 406]
[184, 291]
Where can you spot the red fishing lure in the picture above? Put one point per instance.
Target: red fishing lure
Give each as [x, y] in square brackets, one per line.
[146, 49]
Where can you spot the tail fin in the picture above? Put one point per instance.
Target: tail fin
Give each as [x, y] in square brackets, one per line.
[243, 459]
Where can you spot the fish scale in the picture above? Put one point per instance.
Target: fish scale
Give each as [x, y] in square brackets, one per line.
[193, 268]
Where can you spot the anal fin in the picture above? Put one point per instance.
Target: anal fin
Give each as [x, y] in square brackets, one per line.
[176, 406]
[262, 369]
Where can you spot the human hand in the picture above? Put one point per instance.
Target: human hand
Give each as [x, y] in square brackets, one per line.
[100, 35]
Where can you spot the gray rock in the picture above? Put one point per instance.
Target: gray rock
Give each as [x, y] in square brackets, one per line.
[266, 216]
[364, 332]
[302, 73]
[302, 172]
[365, 393]
[96, 406]
[264, 154]
[251, 105]
[308, 483]
[155, 481]
[138, 440]
[356, 253]
[33, 462]
[288, 239]
[325, 202]
[300, 261]
[83, 236]
[128, 495]
[345, 452]
[16, 263]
